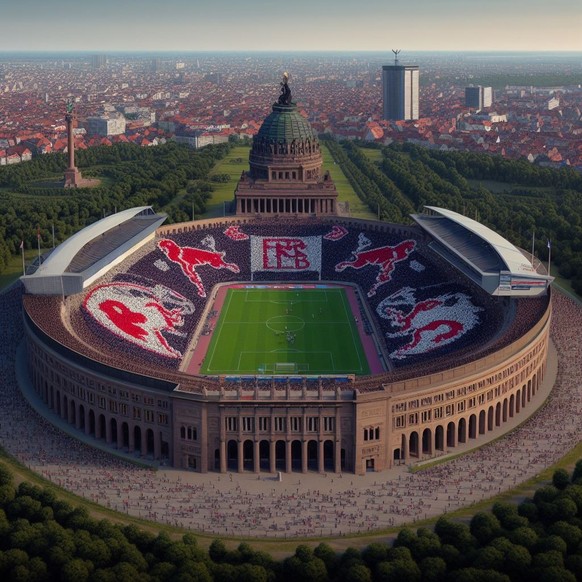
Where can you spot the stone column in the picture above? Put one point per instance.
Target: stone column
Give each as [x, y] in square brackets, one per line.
[222, 455]
[288, 464]
[241, 456]
[272, 456]
[257, 459]
[320, 458]
[303, 456]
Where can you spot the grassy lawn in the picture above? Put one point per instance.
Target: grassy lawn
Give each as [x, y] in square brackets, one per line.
[224, 192]
[372, 155]
[344, 189]
[285, 331]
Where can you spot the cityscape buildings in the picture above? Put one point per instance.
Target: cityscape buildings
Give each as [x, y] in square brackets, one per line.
[478, 97]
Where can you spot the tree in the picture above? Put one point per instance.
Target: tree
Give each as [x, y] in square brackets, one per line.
[560, 479]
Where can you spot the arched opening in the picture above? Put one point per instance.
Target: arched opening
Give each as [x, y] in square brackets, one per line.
[517, 402]
[482, 428]
[102, 429]
[343, 461]
[91, 422]
[529, 390]
[280, 455]
[137, 438]
[82, 417]
[511, 405]
[113, 427]
[523, 396]
[505, 410]
[65, 408]
[217, 459]
[59, 402]
[164, 448]
[427, 441]
[451, 434]
[328, 456]
[312, 455]
[472, 426]
[150, 448]
[124, 435]
[232, 455]
[498, 414]
[396, 455]
[413, 444]
[462, 431]
[490, 418]
[248, 455]
[296, 456]
[439, 438]
[265, 455]
[72, 412]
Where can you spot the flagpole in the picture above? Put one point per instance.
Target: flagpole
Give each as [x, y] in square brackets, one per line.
[38, 241]
[22, 249]
[549, 256]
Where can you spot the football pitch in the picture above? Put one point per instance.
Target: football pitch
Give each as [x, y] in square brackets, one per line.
[285, 331]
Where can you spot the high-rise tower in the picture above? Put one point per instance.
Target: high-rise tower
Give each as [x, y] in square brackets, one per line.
[400, 90]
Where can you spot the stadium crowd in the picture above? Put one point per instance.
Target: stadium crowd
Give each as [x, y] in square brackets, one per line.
[301, 504]
[424, 273]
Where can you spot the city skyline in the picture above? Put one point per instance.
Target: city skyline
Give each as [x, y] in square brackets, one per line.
[301, 25]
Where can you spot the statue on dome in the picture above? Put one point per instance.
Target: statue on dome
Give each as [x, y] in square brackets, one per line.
[285, 97]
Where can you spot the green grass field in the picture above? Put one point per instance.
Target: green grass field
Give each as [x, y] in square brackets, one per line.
[285, 331]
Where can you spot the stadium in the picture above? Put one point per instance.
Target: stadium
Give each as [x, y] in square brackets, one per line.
[286, 337]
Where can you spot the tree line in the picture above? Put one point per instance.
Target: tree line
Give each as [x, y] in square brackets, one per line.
[44, 538]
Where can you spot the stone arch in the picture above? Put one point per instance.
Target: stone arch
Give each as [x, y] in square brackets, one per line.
[472, 426]
[462, 431]
[413, 444]
[248, 455]
[439, 438]
[451, 433]
[427, 441]
[490, 418]
[482, 423]
[232, 461]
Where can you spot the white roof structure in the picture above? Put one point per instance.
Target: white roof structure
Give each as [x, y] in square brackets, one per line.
[92, 251]
[483, 254]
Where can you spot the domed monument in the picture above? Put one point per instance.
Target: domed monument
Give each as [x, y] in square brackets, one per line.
[285, 176]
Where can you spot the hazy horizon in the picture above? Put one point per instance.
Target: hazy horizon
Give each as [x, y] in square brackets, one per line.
[294, 26]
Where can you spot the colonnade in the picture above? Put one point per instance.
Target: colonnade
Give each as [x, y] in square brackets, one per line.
[284, 205]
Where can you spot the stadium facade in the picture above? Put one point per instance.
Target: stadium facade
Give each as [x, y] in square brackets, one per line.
[456, 316]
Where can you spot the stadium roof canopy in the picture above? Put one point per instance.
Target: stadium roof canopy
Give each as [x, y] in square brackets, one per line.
[92, 251]
[482, 254]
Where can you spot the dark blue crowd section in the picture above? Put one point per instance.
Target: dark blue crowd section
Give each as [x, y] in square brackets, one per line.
[421, 271]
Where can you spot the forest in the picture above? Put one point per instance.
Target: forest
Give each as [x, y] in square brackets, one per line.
[540, 539]
[522, 201]
[171, 178]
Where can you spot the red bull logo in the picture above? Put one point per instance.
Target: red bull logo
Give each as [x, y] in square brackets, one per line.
[385, 258]
[428, 324]
[191, 258]
[235, 233]
[147, 317]
[337, 232]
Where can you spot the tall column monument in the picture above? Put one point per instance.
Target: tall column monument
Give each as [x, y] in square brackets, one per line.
[73, 177]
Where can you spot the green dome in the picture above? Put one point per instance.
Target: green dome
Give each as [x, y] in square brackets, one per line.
[285, 123]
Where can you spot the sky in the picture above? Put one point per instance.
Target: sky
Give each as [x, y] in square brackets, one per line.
[292, 25]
